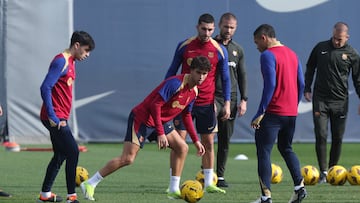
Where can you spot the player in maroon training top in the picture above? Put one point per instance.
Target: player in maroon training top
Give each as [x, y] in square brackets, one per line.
[204, 111]
[56, 93]
[174, 96]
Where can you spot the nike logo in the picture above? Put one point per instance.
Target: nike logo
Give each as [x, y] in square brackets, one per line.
[324, 52]
[283, 6]
[81, 102]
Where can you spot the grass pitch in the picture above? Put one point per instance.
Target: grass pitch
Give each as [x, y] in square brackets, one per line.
[147, 179]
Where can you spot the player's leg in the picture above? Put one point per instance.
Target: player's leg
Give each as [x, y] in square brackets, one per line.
[265, 138]
[321, 117]
[70, 149]
[134, 139]
[285, 139]
[179, 148]
[206, 126]
[53, 166]
[338, 115]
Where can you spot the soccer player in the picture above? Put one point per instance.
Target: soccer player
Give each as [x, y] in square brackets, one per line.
[278, 109]
[174, 96]
[56, 93]
[203, 111]
[332, 60]
[227, 25]
[3, 193]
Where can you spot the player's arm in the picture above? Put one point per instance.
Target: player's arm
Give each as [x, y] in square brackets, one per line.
[223, 66]
[56, 70]
[268, 70]
[300, 80]
[242, 82]
[310, 72]
[176, 62]
[189, 125]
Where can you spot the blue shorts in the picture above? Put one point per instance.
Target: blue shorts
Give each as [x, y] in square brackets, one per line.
[144, 132]
[205, 119]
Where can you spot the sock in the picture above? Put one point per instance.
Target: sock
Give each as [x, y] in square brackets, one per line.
[208, 177]
[170, 174]
[264, 198]
[69, 195]
[45, 194]
[174, 184]
[95, 179]
[221, 178]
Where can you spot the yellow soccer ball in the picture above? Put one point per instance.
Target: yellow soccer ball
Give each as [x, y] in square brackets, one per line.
[353, 175]
[191, 191]
[200, 177]
[81, 175]
[310, 174]
[337, 175]
[276, 174]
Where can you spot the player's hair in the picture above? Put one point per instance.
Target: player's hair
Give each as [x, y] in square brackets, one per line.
[201, 63]
[265, 29]
[227, 16]
[206, 18]
[83, 38]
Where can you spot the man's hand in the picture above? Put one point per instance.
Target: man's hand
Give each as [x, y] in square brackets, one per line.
[162, 142]
[256, 123]
[226, 111]
[200, 148]
[242, 108]
[307, 96]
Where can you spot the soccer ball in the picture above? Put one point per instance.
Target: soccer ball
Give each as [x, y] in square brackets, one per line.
[337, 175]
[191, 191]
[310, 174]
[81, 175]
[276, 174]
[353, 175]
[200, 177]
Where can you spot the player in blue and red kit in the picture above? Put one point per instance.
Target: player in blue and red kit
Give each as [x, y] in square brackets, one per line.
[278, 109]
[203, 111]
[56, 93]
[174, 96]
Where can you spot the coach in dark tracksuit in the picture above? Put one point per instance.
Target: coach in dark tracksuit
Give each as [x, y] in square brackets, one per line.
[332, 60]
[227, 25]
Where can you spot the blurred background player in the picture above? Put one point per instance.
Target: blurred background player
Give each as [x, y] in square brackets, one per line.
[332, 60]
[278, 109]
[203, 111]
[3, 193]
[227, 26]
[152, 117]
[56, 93]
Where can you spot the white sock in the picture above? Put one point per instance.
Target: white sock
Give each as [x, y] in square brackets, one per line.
[170, 174]
[95, 179]
[208, 177]
[264, 198]
[298, 187]
[174, 184]
[69, 195]
[45, 194]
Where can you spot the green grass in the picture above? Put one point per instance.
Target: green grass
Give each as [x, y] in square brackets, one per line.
[147, 179]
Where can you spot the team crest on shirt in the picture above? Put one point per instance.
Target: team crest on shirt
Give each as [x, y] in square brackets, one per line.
[344, 57]
[69, 81]
[176, 104]
[211, 54]
[188, 61]
[235, 53]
